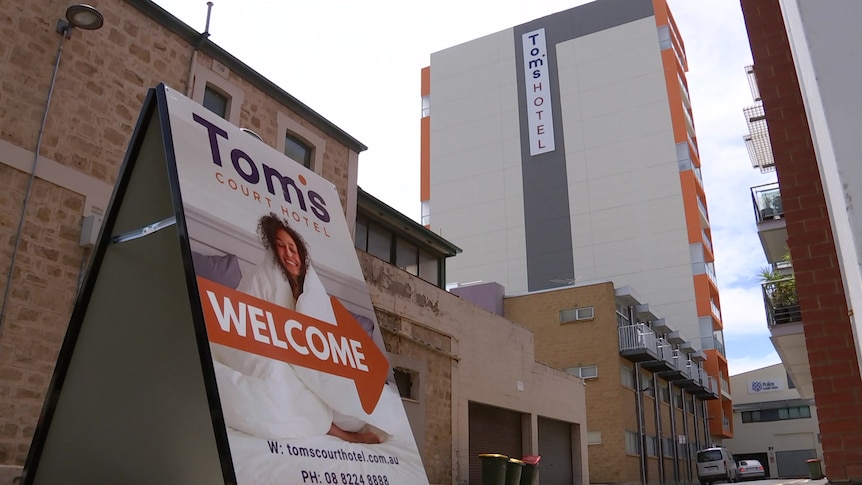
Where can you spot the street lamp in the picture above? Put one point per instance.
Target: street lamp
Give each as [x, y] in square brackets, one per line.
[83, 17]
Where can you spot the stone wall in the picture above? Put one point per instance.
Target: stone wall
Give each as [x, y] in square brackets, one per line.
[101, 83]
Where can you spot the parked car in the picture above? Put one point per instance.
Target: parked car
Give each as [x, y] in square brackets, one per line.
[750, 470]
[715, 465]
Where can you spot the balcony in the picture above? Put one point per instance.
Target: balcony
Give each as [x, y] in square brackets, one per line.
[690, 383]
[638, 343]
[781, 300]
[784, 317]
[679, 368]
[771, 227]
[709, 389]
[665, 357]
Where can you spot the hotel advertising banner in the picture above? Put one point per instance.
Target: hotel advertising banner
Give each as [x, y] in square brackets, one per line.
[223, 331]
[306, 390]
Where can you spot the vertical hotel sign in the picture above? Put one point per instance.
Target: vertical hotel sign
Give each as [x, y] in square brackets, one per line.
[537, 85]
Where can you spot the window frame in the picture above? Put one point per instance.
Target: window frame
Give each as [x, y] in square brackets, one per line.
[203, 77]
[286, 124]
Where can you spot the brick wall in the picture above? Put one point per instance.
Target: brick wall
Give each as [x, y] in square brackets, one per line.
[828, 332]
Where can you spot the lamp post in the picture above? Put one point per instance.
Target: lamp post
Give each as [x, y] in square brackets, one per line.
[80, 16]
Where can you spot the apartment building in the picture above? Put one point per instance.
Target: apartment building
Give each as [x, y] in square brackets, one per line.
[67, 111]
[563, 150]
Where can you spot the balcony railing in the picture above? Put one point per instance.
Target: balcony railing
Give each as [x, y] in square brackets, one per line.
[767, 202]
[781, 301]
[638, 343]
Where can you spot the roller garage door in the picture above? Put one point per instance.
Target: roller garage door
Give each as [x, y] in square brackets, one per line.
[492, 430]
[555, 448]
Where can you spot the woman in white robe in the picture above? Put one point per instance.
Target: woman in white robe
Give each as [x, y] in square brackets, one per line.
[269, 398]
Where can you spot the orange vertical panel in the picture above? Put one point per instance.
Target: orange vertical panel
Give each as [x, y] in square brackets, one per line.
[425, 141]
[425, 159]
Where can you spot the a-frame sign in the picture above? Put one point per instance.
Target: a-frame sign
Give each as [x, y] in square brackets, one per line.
[223, 332]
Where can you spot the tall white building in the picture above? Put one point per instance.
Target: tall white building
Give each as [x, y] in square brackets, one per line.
[563, 151]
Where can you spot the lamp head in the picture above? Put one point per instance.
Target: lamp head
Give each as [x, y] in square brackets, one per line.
[84, 17]
[81, 16]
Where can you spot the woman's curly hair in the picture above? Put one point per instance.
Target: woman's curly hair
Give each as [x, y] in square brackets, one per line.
[267, 228]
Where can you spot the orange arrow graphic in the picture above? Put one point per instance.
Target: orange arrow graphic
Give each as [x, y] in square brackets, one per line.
[246, 323]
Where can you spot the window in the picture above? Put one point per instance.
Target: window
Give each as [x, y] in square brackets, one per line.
[213, 89]
[426, 212]
[407, 256]
[426, 106]
[627, 377]
[215, 101]
[667, 445]
[664, 394]
[781, 414]
[404, 379]
[429, 267]
[594, 437]
[583, 313]
[297, 149]
[652, 446]
[379, 242]
[585, 372]
[632, 443]
[361, 237]
[622, 316]
[646, 384]
[678, 400]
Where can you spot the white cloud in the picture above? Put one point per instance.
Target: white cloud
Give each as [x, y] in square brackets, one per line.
[742, 312]
[752, 362]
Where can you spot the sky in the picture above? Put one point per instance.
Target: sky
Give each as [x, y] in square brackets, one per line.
[357, 63]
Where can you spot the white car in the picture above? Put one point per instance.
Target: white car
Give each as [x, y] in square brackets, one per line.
[716, 465]
[750, 470]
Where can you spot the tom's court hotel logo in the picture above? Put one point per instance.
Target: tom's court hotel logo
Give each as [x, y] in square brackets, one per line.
[537, 85]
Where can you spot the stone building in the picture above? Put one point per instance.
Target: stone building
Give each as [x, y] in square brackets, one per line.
[74, 100]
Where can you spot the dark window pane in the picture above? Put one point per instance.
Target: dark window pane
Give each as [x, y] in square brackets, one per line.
[407, 256]
[361, 239]
[215, 101]
[804, 412]
[297, 150]
[429, 267]
[404, 381]
[379, 242]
